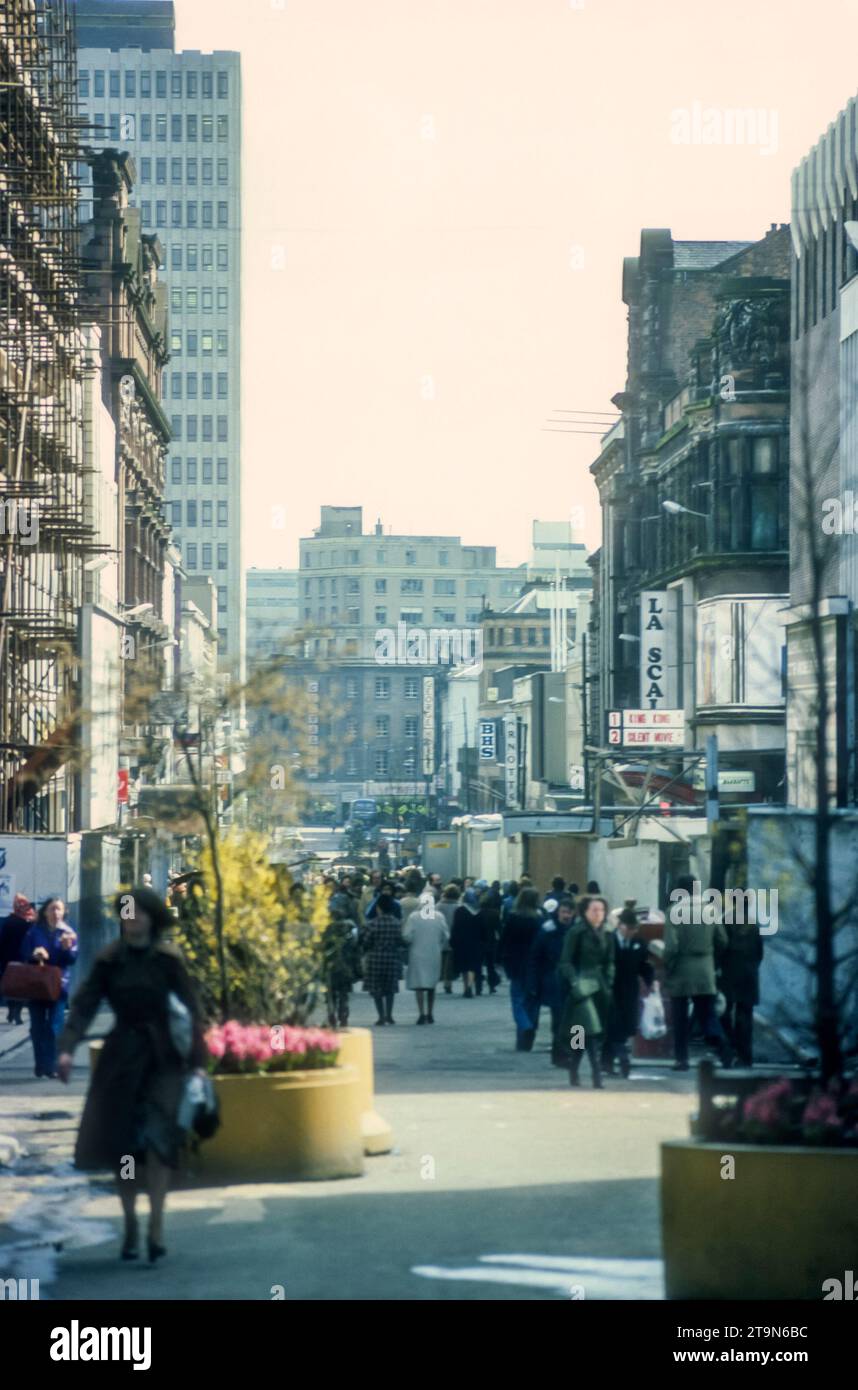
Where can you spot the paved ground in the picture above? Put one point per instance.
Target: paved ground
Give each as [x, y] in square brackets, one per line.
[504, 1183]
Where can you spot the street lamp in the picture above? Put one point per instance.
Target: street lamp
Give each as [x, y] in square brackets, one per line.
[138, 610]
[676, 508]
[627, 637]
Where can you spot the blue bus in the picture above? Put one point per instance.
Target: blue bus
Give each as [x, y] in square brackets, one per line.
[364, 809]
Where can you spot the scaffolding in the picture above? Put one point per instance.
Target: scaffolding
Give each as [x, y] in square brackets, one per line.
[44, 536]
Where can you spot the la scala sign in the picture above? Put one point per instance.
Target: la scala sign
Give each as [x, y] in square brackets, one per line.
[658, 649]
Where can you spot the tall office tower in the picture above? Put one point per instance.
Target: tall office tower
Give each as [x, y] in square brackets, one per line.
[179, 115]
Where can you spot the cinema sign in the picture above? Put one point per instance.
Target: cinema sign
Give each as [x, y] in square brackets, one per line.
[658, 649]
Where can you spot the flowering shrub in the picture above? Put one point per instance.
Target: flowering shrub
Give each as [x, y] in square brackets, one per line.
[252, 1048]
[783, 1112]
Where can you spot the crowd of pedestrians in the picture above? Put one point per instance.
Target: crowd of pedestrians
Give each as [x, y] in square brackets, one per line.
[564, 951]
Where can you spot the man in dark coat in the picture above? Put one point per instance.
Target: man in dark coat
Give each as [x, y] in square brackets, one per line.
[12, 932]
[740, 983]
[543, 984]
[631, 965]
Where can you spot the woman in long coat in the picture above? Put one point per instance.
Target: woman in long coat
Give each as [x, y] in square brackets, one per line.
[383, 947]
[587, 966]
[130, 1116]
[466, 939]
[426, 935]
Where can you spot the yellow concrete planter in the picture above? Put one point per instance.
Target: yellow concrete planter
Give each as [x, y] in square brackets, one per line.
[356, 1051]
[786, 1222]
[295, 1126]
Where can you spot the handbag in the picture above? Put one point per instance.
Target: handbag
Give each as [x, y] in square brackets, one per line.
[42, 984]
[199, 1111]
[653, 1022]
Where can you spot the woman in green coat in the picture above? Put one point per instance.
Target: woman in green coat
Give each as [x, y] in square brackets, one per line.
[587, 967]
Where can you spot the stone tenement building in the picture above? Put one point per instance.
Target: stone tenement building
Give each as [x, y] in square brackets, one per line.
[693, 483]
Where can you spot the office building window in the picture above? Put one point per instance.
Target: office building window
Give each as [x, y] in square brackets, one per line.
[352, 615]
[176, 84]
[192, 515]
[175, 343]
[381, 615]
[192, 340]
[160, 85]
[207, 514]
[191, 425]
[161, 213]
[223, 85]
[382, 688]
[208, 129]
[161, 170]
[130, 84]
[176, 426]
[222, 300]
[207, 555]
[222, 429]
[192, 470]
[411, 726]
[223, 557]
[207, 171]
[223, 513]
[207, 262]
[83, 85]
[176, 214]
[161, 128]
[222, 386]
[207, 471]
[411, 557]
[176, 513]
[443, 615]
[176, 129]
[176, 171]
[412, 687]
[113, 84]
[222, 471]
[223, 214]
[206, 343]
[207, 386]
[382, 761]
[351, 688]
[191, 85]
[207, 298]
[223, 258]
[192, 557]
[177, 376]
[145, 84]
[191, 129]
[381, 586]
[222, 342]
[445, 586]
[192, 386]
[145, 171]
[177, 471]
[207, 429]
[382, 726]
[98, 90]
[223, 171]
[223, 127]
[113, 126]
[192, 214]
[145, 127]
[207, 215]
[192, 256]
[207, 85]
[175, 257]
[411, 586]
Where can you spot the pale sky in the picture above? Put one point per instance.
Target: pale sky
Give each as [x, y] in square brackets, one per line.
[438, 196]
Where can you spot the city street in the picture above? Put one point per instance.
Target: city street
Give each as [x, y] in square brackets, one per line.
[503, 1183]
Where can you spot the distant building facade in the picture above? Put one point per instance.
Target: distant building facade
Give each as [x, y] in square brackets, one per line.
[272, 612]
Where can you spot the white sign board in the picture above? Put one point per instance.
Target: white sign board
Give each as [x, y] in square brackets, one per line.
[658, 648]
[644, 728]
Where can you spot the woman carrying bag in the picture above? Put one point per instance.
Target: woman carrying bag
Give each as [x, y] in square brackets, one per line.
[50, 941]
[587, 966]
[131, 1116]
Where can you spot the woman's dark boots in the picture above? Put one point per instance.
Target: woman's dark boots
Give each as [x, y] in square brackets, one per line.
[594, 1052]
